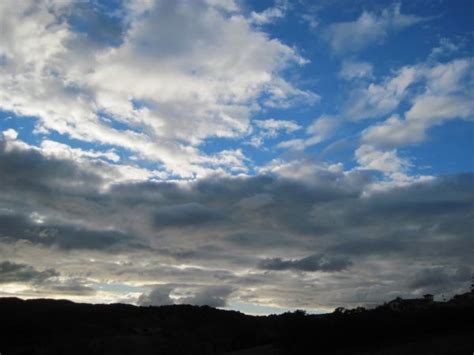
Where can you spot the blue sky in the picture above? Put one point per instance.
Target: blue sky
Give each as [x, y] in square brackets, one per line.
[374, 95]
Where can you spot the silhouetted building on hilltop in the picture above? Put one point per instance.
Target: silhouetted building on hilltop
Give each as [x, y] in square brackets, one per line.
[400, 304]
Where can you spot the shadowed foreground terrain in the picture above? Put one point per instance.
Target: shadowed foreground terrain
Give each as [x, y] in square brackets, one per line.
[399, 327]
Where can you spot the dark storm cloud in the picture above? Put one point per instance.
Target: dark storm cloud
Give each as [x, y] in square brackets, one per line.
[13, 272]
[315, 262]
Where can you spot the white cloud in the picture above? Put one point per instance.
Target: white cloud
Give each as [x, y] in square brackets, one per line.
[303, 170]
[10, 134]
[446, 96]
[311, 20]
[272, 128]
[387, 161]
[368, 29]
[355, 70]
[184, 71]
[319, 130]
[380, 99]
[322, 127]
[270, 14]
[393, 133]
[433, 109]
[446, 47]
[64, 151]
[267, 16]
[293, 144]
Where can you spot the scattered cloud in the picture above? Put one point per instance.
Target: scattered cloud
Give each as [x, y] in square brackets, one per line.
[446, 48]
[319, 130]
[377, 100]
[351, 70]
[368, 29]
[446, 96]
[272, 128]
[270, 14]
[168, 89]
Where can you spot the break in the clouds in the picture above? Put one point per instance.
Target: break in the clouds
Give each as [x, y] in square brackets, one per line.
[235, 154]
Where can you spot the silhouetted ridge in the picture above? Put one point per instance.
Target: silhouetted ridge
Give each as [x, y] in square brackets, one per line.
[417, 326]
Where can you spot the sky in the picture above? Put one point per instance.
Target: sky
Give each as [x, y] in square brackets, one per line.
[260, 156]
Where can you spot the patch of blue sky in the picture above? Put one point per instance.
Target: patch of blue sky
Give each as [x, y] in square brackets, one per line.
[119, 288]
[23, 125]
[448, 150]
[100, 21]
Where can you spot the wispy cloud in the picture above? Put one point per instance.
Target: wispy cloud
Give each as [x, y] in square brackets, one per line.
[368, 29]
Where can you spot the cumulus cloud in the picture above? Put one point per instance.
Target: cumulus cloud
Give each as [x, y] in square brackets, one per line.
[208, 82]
[443, 93]
[10, 134]
[159, 296]
[368, 29]
[446, 96]
[386, 161]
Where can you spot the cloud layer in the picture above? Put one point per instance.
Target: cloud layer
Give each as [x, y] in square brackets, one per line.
[222, 240]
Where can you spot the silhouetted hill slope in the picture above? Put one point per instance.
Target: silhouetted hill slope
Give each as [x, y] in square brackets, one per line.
[63, 327]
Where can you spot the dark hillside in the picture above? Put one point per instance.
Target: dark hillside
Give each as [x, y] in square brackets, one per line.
[63, 327]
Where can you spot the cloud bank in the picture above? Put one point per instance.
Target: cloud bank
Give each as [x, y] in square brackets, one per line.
[222, 240]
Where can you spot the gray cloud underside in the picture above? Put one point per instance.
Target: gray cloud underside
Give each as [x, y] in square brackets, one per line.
[336, 244]
[310, 263]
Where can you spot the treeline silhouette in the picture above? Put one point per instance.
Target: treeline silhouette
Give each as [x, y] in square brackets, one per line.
[52, 327]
